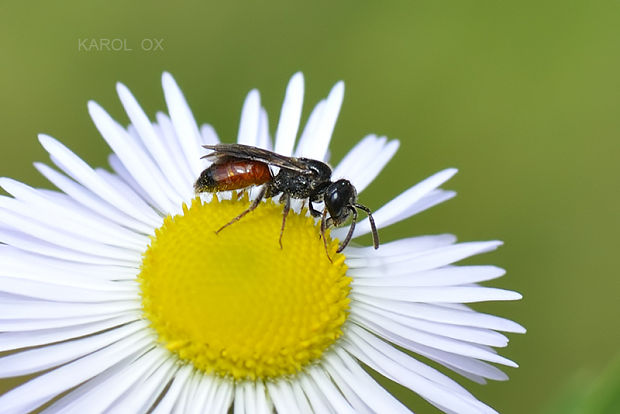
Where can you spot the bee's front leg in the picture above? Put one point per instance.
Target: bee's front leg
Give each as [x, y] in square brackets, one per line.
[315, 213]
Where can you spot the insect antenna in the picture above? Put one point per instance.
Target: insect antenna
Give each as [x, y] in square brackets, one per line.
[375, 234]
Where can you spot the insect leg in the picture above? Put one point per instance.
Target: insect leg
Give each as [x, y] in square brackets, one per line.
[254, 204]
[287, 207]
[375, 234]
[350, 233]
[323, 228]
[315, 213]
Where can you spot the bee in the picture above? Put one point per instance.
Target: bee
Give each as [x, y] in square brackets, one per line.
[237, 167]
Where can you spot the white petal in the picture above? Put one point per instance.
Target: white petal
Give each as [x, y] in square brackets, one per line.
[368, 169]
[21, 263]
[210, 396]
[393, 210]
[462, 333]
[28, 243]
[73, 274]
[199, 393]
[346, 389]
[306, 141]
[204, 390]
[41, 389]
[140, 395]
[208, 134]
[264, 139]
[282, 398]
[223, 398]
[360, 336]
[44, 231]
[418, 261]
[359, 156]
[13, 212]
[62, 207]
[300, 397]
[75, 396]
[48, 291]
[173, 393]
[103, 391]
[249, 396]
[239, 400]
[184, 123]
[122, 180]
[137, 239]
[427, 389]
[290, 115]
[152, 141]
[17, 340]
[41, 310]
[187, 391]
[401, 247]
[82, 173]
[433, 312]
[475, 378]
[250, 119]
[38, 359]
[325, 127]
[91, 201]
[136, 161]
[24, 325]
[332, 394]
[192, 394]
[449, 294]
[317, 399]
[396, 332]
[431, 199]
[263, 404]
[466, 366]
[374, 397]
[444, 276]
[166, 129]
[372, 170]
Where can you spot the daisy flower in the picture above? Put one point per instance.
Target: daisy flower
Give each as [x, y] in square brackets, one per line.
[116, 294]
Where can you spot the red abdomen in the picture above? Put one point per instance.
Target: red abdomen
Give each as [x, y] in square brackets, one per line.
[233, 174]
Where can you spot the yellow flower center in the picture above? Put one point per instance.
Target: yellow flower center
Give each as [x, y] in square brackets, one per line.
[235, 303]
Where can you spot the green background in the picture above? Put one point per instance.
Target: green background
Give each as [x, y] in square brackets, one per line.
[522, 97]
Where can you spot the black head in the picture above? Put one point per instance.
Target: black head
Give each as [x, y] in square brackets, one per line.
[341, 201]
[339, 197]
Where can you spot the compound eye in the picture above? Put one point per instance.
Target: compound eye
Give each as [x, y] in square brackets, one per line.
[336, 204]
[335, 200]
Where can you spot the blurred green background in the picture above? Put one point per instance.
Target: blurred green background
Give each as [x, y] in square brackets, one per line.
[523, 97]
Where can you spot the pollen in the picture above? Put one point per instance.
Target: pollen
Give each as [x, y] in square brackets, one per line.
[237, 305]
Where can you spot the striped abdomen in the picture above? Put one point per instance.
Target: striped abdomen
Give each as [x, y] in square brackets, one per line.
[232, 174]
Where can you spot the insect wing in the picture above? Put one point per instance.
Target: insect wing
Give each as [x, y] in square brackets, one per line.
[246, 152]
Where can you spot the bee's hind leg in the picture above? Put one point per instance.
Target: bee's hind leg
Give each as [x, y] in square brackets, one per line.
[254, 204]
[325, 223]
[287, 208]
